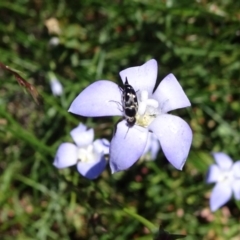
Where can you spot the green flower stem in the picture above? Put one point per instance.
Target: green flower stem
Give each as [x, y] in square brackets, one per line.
[141, 219]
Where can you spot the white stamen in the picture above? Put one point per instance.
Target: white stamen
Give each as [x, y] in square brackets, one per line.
[153, 103]
[86, 154]
[147, 109]
[142, 107]
[146, 102]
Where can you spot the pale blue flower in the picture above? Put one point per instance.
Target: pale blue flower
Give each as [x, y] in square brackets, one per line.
[56, 87]
[103, 98]
[54, 41]
[226, 175]
[87, 154]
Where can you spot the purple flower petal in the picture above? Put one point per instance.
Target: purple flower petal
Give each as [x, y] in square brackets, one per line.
[213, 174]
[92, 170]
[236, 188]
[152, 146]
[82, 137]
[221, 194]
[81, 127]
[141, 77]
[175, 138]
[236, 169]
[127, 146]
[155, 146]
[101, 98]
[66, 155]
[170, 94]
[223, 160]
[101, 146]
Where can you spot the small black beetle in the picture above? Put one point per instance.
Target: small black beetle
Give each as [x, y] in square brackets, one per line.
[129, 103]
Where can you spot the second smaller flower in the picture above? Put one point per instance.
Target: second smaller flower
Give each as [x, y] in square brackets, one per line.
[226, 175]
[88, 155]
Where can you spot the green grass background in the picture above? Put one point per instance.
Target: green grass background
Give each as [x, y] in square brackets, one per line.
[198, 41]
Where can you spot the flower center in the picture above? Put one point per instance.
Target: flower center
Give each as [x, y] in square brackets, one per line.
[225, 176]
[147, 109]
[86, 154]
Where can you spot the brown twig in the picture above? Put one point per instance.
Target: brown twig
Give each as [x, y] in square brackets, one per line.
[22, 82]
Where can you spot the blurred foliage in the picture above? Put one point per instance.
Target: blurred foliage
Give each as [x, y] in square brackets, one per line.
[82, 41]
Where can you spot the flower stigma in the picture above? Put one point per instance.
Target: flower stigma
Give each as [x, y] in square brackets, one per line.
[147, 110]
